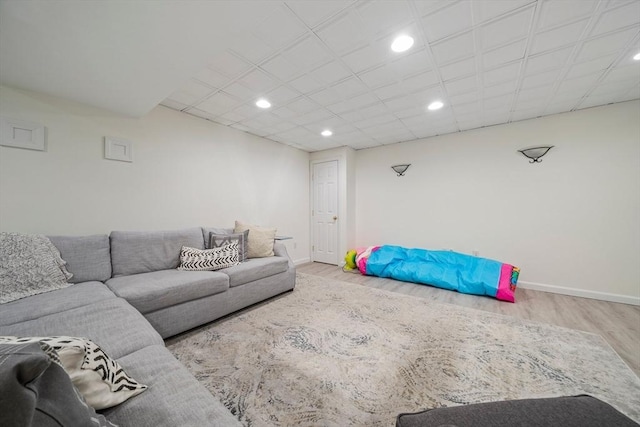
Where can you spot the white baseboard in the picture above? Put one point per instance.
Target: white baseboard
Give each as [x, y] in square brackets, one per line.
[301, 261]
[605, 296]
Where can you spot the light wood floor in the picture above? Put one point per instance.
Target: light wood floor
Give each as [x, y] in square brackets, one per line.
[619, 324]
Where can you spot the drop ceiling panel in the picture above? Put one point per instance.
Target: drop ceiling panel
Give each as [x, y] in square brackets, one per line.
[328, 64]
[448, 21]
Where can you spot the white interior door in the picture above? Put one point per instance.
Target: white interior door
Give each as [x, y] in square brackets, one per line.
[325, 212]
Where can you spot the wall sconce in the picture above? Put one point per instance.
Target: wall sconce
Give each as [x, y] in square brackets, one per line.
[400, 169]
[535, 153]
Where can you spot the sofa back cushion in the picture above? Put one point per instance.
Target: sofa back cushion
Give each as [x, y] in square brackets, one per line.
[134, 252]
[88, 257]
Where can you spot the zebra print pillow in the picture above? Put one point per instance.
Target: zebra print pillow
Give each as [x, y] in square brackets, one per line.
[100, 379]
[192, 259]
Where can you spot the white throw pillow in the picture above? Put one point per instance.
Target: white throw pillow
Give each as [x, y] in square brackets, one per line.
[100, 379]
[193, 259]
[260, 240]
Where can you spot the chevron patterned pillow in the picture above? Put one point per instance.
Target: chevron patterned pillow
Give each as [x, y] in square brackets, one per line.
[192, 259]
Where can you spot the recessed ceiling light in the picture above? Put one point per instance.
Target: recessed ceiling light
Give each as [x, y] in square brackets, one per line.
[402, 43]
[636, 56]
[435, 105]
[263, 103]
[326, 132]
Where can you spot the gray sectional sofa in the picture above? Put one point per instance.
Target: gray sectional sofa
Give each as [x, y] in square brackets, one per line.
[128, 296]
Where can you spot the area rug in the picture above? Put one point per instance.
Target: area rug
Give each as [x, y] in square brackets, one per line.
[332, 353]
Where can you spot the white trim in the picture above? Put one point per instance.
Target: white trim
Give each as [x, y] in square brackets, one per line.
[584, 293]
[301, 261]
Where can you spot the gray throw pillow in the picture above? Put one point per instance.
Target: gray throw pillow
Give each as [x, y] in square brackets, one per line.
[219, 240]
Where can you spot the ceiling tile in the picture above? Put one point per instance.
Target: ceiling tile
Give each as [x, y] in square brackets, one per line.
[506, 29]
[251, 48]
[302, 105]
[366, 57]
[453, 48]
[330, 73]
[281, 95]
[379, 76]
[314, 12]
[501, 74]
[619, 17]
[349, 88]
[229, 65]
[504, 54]
[455, 18]
[240, 91]
[352, 103]
[212, 78]
[541, 79]
[489, 9]
[259, 82]
[420, 81]
[312, 117]
[553, 13]
[599, 46]
[467, 84]
[218, 104]
[547, 61]
[500, 89]
[344, 33]
[562, 36]
[326, 96]
[458, 69]
[191, 92]
[308, 53]
[280, 28]
[305, 84]
[232, 117]
[411, 64]
[382, 16]
[620, 74]
[589, 67]
[279, 67]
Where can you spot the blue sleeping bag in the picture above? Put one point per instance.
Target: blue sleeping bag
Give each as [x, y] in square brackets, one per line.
[444, 269]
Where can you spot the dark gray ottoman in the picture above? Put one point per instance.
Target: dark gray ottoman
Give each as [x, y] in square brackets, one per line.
[576, 411]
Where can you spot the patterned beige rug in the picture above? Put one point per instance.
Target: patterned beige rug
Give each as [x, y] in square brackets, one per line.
[337, 354]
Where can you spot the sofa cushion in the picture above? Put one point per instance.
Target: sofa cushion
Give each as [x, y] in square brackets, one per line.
[40, 391]
[174, 397]
[54, 302]
[134, 252]
[113, 324]
[151, 291]
[576, 411]
[88, 257]
[254, 269]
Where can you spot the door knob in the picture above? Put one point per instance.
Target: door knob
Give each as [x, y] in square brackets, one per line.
[335, 218]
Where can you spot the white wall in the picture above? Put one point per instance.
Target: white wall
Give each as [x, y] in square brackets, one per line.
[186, 172]
[572, 222]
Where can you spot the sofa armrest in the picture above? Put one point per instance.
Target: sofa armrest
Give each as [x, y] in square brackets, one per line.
[279, 249]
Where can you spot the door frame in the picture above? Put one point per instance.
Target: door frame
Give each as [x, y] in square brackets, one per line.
[339, 228]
